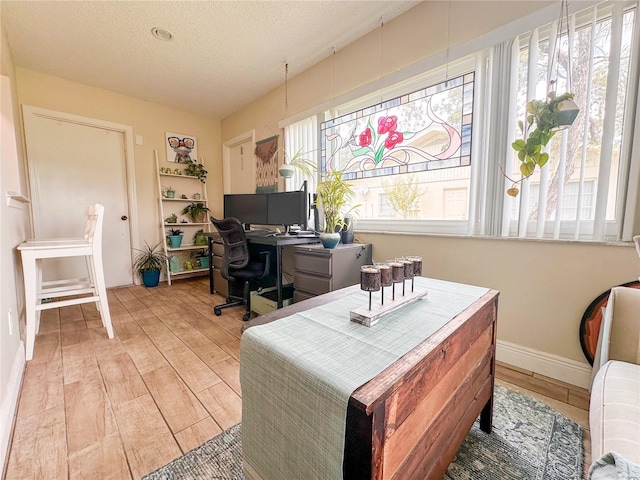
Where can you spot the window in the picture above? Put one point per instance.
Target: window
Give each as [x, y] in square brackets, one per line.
[405, 151]
[430, 157]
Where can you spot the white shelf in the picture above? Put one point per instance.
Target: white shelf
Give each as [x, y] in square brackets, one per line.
[195, 270]
[190, 224]
[187, 247]
[189, 184]
[164, 199]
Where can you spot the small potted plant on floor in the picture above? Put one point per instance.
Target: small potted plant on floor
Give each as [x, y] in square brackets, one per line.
[149, 263]
[175, 237]
[196, 211]
[334, 200]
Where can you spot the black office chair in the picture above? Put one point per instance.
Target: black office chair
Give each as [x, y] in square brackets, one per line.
[237, 265]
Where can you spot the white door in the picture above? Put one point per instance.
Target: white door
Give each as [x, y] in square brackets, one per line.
[71, 166]
[239, 165]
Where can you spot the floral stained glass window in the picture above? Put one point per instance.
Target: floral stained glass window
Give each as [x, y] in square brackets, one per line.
[429, 129]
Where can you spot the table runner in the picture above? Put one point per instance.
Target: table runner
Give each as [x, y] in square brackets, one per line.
[297, 375]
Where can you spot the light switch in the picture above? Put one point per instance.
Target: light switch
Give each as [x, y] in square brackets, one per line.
[139, 140]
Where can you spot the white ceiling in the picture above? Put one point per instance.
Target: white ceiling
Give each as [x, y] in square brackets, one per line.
[224, 54]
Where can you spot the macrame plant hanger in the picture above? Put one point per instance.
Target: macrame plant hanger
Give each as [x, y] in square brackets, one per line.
[567, 109]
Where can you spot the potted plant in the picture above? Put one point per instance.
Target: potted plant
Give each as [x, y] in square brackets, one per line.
[543, 120]
[175, 237]
[334, 198]
[202, 258]
[195, 169]
[196, 211]
[149, 263]
[199, 239]
[290, 164]
[169, 192]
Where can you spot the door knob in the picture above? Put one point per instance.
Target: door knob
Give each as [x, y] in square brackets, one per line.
[123, 218]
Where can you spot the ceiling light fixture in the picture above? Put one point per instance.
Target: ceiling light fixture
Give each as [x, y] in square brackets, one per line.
[162, 34]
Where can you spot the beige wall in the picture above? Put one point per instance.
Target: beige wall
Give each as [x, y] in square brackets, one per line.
[148, 119]
[545, 286]
[15, 228]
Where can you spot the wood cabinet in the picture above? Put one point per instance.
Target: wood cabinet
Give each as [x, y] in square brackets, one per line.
[187, 190]
[320, 270]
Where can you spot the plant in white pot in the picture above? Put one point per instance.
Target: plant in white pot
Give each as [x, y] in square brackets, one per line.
[335, 201]
[297, 161]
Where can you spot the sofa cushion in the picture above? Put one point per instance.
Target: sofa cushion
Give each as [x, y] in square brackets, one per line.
[614, 414]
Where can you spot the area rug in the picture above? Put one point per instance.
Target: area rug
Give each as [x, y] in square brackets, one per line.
[529, 441]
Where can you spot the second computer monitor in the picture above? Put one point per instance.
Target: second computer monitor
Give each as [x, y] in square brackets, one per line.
[288, 208]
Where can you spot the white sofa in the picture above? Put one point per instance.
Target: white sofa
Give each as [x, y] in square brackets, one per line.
[614, 413]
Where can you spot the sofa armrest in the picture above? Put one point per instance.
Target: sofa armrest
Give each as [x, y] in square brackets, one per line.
[619, 337]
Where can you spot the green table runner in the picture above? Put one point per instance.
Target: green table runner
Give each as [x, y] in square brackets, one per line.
[298, 373]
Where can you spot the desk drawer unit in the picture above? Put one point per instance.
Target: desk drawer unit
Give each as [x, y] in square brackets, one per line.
[220, 284]
[320, 270]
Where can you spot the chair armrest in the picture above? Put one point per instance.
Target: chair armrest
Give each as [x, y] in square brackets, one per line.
[619, 337]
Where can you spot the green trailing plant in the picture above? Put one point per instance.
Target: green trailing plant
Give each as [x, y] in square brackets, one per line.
[538, 128]
[297, 161]
[149, 259]
[195, 211]
[195, 169]
[334, 200]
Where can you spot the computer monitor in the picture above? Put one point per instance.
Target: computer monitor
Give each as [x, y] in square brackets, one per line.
[249, 208]
[288, 208]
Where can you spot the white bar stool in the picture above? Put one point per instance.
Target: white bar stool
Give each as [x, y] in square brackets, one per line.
[90, 247]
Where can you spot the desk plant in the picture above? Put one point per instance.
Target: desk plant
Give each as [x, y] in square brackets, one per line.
[334, 199]
[196, 211]
[149, 263]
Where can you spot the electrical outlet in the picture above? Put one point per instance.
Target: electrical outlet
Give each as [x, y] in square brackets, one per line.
[10, 319]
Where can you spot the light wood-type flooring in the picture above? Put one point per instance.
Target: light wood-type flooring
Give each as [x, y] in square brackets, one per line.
[94, 408]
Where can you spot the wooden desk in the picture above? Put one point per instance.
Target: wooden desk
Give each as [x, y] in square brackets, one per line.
[409, 421]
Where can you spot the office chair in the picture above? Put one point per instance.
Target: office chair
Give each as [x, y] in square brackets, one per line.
[238, 266]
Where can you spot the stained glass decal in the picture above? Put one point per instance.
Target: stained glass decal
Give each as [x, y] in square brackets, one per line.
[429, 129]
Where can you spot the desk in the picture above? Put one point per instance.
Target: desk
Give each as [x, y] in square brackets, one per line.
[276, 241]
[406, 422]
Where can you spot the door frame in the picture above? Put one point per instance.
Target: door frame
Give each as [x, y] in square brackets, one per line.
[226, 158]
[28, 112]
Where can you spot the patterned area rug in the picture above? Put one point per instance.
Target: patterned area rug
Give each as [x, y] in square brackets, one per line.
[529, 441]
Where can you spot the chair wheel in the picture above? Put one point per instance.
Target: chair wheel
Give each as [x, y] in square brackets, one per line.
[246, 316]
[217, 311]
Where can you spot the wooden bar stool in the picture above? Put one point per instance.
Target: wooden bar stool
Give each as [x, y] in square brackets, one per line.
[90, 247]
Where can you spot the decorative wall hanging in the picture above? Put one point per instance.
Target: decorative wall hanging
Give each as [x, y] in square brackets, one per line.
[180, 147]
[267, 165]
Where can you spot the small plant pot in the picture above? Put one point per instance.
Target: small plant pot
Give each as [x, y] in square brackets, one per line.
[170, 193]
[329, 240]
[175, 241]
[202, 262]
[150, 278]
[174, 264]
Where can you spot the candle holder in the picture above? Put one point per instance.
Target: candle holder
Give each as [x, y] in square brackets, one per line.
[407, 266]
[370, 279]
[385, 277]
[397, 275]
[417, 267]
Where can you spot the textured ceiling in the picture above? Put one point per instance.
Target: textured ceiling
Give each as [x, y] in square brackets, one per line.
[224, 54]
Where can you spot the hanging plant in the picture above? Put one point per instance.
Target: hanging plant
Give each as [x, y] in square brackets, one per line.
[195, 169]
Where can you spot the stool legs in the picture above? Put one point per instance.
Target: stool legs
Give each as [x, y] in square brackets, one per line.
[29, 272]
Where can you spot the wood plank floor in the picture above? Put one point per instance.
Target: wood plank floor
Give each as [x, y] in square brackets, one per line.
[94, 408]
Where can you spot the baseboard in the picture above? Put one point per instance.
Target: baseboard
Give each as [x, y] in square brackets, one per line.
[10, 404]
[559, 368]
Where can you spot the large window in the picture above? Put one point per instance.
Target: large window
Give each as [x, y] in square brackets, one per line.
[435, 155]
